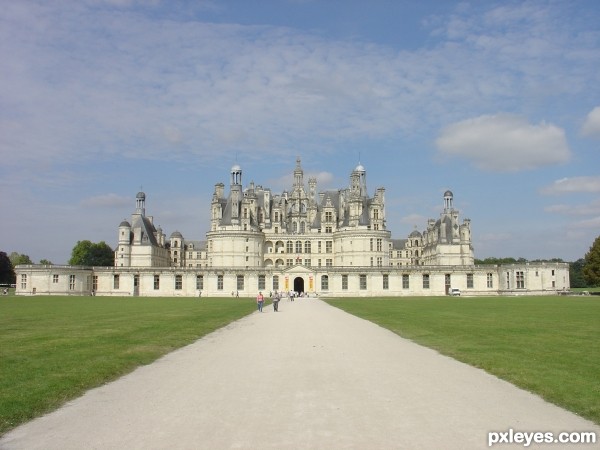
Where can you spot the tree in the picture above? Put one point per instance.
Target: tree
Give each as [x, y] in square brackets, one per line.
[591, 265]
[7, 272]
[498, 261]
[86, 253]
[17, 258]
[45, 262]
[576, 274]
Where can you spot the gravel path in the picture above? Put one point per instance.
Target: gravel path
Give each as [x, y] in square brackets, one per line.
[307, 377]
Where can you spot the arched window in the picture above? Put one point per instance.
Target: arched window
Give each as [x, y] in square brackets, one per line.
[290, 247]
[298, 247]
[302, 228]
[307, 247]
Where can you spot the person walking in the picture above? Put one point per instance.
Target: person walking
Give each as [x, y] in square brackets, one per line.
[260, 300]
[276, 299]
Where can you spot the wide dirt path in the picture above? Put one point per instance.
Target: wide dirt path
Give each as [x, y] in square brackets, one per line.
[308, 377]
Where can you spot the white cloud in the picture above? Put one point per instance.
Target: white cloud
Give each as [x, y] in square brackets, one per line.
[91, 83]
[504, 143]
[593, 224]
[592, 208]
[107, 201]
[573, 185]
[591, 126]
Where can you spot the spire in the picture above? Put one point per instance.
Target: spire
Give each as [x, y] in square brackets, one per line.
[298, 175]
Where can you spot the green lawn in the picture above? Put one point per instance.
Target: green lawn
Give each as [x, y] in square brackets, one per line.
[546, 345]
[52, 349]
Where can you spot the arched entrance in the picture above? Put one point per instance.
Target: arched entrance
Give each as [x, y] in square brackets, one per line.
[299, 284]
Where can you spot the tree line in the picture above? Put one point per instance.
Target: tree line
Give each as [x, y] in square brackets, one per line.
[85, 253]
[585, 272]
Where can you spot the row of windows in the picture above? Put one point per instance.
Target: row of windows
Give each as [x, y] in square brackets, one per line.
[240, 281]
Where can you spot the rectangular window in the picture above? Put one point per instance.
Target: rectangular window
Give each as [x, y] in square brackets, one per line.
[379, 261]
[371, 244]
[425, 281]
[71, 282]
[55, 279]
[470, 280]
[307, 262]
[23, 281]
[275, 282]
[116, 282]
[289, 262]
[240, 282]
[490, 280]
[386, 281]
[199, 282]
[156, 282]
[328, 246]
[379, 245]
[178, 282]
[95, 283]
[328, 262]
[220, 282]
[324, 283]
[405, 281]
[261, 283]
[363, 282]
[345, 282]
[328, 230]
[319, 246]
[507, 280]
[520, 280]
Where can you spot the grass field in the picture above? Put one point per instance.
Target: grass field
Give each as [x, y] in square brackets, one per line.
[52, 349]
[546, 345]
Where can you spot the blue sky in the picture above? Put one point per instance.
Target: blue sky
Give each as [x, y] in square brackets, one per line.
[497, 101]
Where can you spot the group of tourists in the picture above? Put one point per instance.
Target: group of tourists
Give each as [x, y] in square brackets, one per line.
[276, 297]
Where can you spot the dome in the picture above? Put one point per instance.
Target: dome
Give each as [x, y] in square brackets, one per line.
[236, 168]
[176, 234]
[141, 196]
[448, 194]
[415, 234]
[125, 224]
[359, 168]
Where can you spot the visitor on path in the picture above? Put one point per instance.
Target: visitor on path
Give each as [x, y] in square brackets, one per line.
[276, 299]
[260, 300]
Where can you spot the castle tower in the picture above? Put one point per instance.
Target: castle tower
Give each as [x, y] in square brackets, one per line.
[236, 190]
[140, 203]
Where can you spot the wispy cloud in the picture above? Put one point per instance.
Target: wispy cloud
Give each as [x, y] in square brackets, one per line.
[106, 201]
[572, 185]
[588, 209]
[504, 143]
[87, 83]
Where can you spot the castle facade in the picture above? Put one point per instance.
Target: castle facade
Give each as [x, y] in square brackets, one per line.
[328, 243]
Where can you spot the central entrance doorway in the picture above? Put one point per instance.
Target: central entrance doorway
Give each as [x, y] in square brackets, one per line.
[299, 285]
